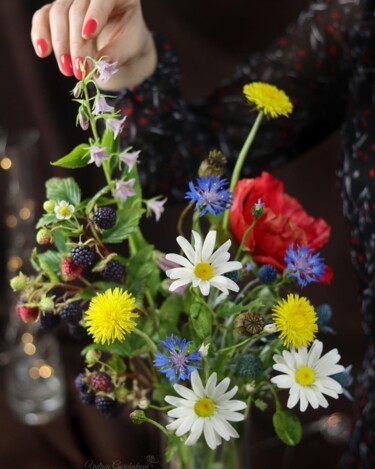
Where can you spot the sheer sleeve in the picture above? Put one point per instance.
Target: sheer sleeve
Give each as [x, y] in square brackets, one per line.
[311, 62]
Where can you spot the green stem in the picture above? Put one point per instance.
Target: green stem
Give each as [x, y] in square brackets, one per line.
[160, 427]
[146, 339]
[240, 161]
[244, 238]
[232, 347]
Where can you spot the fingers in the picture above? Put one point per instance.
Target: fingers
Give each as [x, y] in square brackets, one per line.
[59, 27]
[79, 47]
[97, 16]
[74, 29]
[40, 32]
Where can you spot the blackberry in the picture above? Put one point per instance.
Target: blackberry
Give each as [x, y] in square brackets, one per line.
[105, 217]
[71, 313]
[80, 383]
[83, 255]
[267, 274]
[108, 406]
[100, 381]
[48, 321]
[87, 398]
[113, 271]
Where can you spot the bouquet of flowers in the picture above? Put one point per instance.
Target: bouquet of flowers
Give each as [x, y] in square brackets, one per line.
[190, 340]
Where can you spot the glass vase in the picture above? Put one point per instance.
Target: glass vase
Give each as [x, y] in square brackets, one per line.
[200, 456]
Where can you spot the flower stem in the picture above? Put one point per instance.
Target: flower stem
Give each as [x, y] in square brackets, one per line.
[146, 339]
[240, 161]
[244, 238]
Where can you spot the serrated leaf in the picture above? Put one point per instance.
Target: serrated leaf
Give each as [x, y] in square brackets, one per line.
[141, 267]
[46, 220]
[60, 240]
[63, 189]
[77, 158]
[287, 427]
[126, 223]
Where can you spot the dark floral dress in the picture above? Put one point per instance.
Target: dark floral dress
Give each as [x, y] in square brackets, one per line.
[325, 62]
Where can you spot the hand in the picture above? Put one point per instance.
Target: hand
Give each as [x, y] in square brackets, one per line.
[75, 29]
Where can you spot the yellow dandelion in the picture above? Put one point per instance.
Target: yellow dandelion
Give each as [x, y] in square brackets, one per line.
[295, 319]
[268, 98]
[109, 316]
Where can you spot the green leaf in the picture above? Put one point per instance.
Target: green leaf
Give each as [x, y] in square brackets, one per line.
[287, 427]
[126, 223]
[61, 240]
[201, 320]
[116, 363]
[77, 158]
[50, 263]
[35, 260]
[141, 267]
[93, 201]
[63, 189]
[46, 219]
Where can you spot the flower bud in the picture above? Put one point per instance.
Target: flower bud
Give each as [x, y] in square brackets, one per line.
[138, 416]
[49, 206]
[19, 282]
[213, 165]
[46, 303]
[83, 120]
[44, 236]
[257, 209]
[143, 403]
[270, 328]
[77, 90]
[248, 324]
[92, 357]
[121, 394]
[249, 366]
[203, 350]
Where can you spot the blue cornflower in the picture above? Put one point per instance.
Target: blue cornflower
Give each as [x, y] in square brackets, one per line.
[303, 265]
[177, 364]
[345, 378]
[211, 195]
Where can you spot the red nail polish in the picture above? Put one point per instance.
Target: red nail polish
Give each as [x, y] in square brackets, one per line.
[41, 47]
[90, 27]
[66, 64]
[77, 67]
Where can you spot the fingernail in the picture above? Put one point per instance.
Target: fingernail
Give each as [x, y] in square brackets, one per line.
[41, 47]
[77, 67]
[90, 27]
[66, 64]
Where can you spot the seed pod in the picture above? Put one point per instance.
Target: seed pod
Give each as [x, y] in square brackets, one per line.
[248, 324]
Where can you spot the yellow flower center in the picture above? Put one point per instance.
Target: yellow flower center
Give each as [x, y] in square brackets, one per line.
[204, 407]
[64, 211]
[305, 376]
[204, 271]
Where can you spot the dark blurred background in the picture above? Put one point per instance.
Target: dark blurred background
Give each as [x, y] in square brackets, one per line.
[211, 37]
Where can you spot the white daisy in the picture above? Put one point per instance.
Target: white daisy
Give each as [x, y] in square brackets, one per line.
[203, 267]
[205, 409]
[307, 375]
[64, 210]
